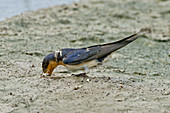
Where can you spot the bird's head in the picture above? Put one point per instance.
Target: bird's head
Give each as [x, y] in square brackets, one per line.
[49, 63]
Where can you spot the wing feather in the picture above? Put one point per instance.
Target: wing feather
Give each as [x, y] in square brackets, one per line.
[77, 56]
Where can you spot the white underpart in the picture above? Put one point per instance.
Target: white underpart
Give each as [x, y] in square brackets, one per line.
[85, 66]
[86, 69]
[88, 65]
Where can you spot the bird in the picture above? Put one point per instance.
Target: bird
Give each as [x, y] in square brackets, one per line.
[83, 58]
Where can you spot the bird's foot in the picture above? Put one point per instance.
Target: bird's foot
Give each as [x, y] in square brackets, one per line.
[80, 75]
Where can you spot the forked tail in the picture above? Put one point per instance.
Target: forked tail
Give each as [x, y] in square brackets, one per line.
[108, 48]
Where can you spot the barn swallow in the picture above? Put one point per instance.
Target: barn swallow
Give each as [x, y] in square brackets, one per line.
[83, 58]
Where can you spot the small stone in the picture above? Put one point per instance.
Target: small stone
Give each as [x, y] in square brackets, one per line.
[77, 87]
[32, 65]
[166, 93]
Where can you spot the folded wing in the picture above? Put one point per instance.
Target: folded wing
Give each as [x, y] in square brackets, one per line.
[78, 56]
[98, 52]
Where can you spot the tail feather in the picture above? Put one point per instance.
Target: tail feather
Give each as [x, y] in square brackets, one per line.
[108, 48]
[113, 46]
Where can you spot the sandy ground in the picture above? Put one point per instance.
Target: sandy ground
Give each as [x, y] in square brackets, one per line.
[135, 79]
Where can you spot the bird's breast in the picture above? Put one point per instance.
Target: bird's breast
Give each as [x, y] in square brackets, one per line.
[81, 66]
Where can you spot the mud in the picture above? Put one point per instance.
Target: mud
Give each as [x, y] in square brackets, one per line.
[135, 79]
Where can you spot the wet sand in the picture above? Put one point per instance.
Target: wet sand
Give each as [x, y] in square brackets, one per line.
[135, 79]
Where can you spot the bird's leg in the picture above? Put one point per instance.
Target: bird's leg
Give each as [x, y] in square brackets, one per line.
[83, 74]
